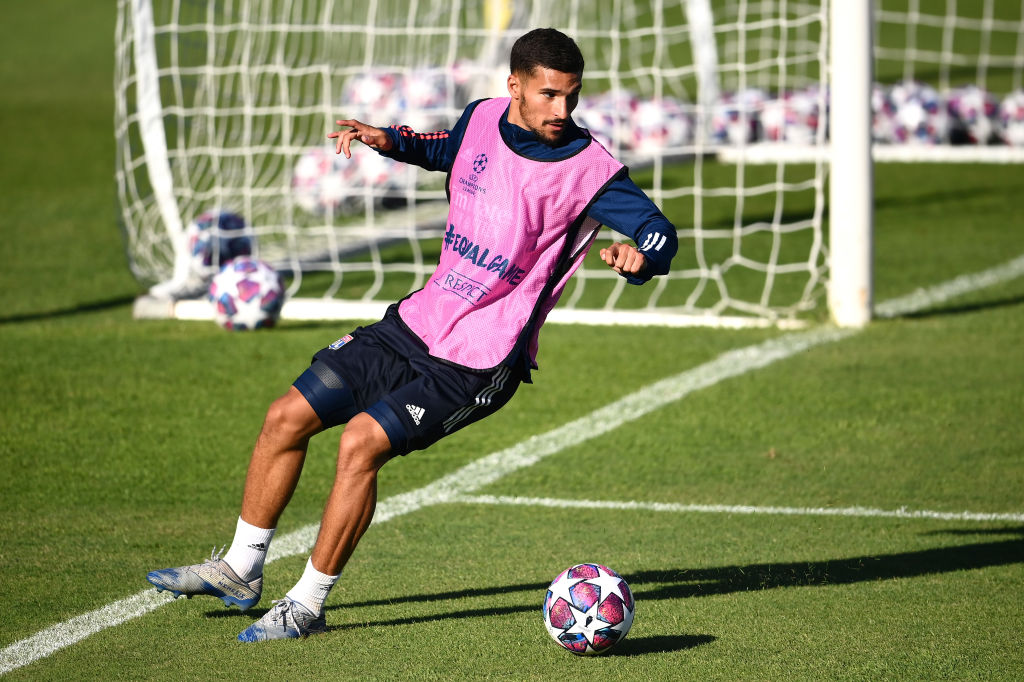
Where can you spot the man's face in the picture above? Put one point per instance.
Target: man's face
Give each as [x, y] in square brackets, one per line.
[543, 101]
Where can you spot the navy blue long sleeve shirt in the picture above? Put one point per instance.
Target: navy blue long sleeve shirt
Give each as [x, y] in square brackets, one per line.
[622, 206]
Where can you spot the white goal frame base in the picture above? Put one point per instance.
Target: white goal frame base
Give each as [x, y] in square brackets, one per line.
[152, 308]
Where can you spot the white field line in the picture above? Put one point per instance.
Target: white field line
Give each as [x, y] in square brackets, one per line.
[486, 470]
[902, 513]
[922, 299]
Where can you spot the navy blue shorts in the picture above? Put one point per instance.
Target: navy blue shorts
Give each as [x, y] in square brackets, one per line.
[385, 371]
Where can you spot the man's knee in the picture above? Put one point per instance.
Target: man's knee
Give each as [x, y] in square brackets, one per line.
[364, 444]
[291, 414]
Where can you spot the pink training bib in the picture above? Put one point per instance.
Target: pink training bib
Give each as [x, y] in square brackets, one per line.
[507, 254]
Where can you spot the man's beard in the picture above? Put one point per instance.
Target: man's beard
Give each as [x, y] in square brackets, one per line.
[545, 135]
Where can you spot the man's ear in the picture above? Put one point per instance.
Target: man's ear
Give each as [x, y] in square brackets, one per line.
[514, 86]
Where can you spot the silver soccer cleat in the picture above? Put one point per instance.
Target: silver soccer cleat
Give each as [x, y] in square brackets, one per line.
[213, 577]
[287, 620]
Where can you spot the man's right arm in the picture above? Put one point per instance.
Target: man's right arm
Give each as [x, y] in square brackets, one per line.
[426, 150]
[434, 150]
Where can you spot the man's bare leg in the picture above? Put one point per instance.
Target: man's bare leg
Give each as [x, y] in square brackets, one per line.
[277, 459]
[273, 473]
[363, 450]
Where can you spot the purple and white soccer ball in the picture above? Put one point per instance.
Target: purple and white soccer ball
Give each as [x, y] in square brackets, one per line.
[215, 237]
[920, 114]
[736, 117]
[588, 609]
[380, 172]
[972, 112]
[608, 117]
[792, 117]
[247, 294]
[425, 97]
[883, 114]
[659, 125]
[324, 181]
[1011, 119]
[376, 97]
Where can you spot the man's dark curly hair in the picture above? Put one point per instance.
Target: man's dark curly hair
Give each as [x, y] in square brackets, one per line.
[546, 48]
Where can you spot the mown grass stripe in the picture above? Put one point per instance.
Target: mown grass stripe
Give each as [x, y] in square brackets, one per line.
[490, 468]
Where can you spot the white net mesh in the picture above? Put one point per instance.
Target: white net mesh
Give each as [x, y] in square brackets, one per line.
[951, 43]
[243, 92]
[948, 79]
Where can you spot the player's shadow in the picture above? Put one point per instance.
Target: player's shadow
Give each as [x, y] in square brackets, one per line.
[679, 583]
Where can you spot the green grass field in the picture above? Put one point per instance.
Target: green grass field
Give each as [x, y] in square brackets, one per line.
[123, 445]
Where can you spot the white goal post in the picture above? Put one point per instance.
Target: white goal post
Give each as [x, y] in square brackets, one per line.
[224, 106]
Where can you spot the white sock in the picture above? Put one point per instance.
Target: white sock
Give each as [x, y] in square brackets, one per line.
[313, 588]
[248, 550]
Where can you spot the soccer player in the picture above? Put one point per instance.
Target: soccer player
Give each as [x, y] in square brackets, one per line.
[528, 190]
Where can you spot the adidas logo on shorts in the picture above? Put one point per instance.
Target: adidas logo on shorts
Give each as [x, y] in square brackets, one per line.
[416, 412]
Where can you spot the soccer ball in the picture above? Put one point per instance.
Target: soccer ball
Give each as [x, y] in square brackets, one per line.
[381, 173]
[214, 238]
[376, 97]
[792, 117]
[247, 294]
[883, 115]
[736, 118]
[425, 97]
[588, 609]
[973, 111]
[607, 117]
[660, 124]
[921, 116]
[324, 181]
[1011, 119]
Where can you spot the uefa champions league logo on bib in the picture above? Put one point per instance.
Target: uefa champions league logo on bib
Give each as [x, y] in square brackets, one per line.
[480, 163]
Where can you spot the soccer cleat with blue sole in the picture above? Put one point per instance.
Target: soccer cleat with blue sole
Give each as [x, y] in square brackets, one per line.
[212, 577]
[288, 619]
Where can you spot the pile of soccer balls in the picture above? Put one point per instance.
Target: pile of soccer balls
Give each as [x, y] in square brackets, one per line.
[915, 113]
[246, 293]
[588, 609]
[908, 113]
[326, 183]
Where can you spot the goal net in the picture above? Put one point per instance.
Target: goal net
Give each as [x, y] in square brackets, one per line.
[948, 78]
[222, 110]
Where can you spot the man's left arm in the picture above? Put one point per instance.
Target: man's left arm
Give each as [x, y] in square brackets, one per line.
[625, 208]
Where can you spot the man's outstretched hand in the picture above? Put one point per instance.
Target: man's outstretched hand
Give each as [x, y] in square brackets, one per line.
[368, 135]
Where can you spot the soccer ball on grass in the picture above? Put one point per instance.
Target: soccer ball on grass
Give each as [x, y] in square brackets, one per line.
[247, 294]
[214, 238]
[588, 609]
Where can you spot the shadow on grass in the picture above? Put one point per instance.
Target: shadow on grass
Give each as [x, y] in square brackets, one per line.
[725, 580]
[943, 311]
[680, 583]
[638, 646]
[67, 312]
